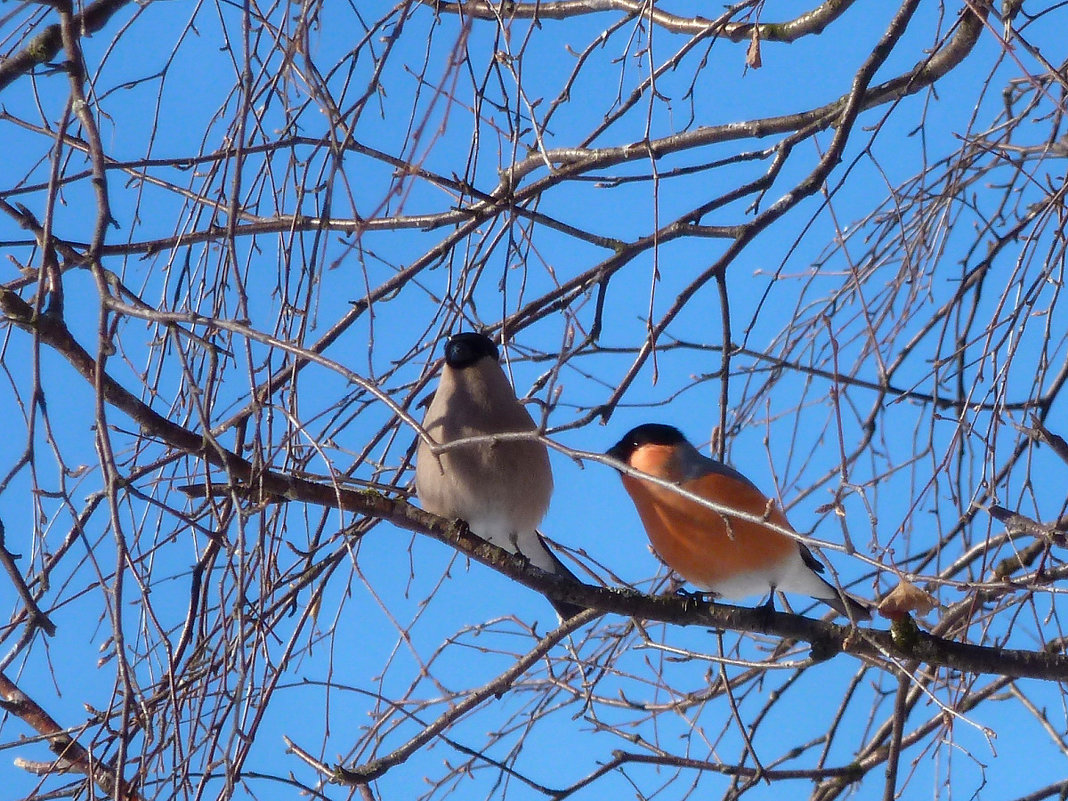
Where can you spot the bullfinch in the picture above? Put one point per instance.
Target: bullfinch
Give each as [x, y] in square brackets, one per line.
[501, 489]
[724, 555]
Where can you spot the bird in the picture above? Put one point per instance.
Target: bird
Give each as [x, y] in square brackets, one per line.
[724, 555]
[501, 489]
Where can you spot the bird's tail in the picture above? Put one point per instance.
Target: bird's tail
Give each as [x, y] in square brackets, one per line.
[848, 605]
[550, 563]
[809, 581]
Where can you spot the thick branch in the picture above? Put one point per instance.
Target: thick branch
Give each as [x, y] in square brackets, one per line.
[46, 45]
[71, 753]
[811, 22]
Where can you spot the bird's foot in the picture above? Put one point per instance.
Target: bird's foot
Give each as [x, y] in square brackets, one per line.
[767, 609]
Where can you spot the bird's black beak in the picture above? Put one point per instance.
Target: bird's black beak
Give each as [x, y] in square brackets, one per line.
[618, 452]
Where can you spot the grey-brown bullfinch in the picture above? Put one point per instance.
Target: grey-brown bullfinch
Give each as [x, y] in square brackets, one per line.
[501, 488]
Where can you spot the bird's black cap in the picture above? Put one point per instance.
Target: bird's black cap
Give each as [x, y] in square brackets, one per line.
[465, 349]
[645, 434]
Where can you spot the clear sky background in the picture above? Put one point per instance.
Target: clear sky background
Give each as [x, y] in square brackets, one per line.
[828, 285]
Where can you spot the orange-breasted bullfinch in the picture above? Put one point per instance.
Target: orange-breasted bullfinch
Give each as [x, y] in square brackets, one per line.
[718, 553]
[502, 488]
